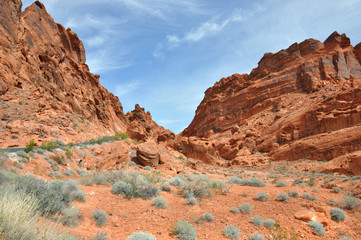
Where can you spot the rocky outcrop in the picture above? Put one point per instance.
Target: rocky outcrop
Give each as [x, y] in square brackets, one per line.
[46, 88]
[148, 153]
[142, 126]
[303, 101]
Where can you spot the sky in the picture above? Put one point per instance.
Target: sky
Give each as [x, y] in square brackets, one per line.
[164, 54]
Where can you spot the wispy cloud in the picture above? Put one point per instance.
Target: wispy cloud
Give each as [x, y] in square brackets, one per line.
[206, 29]
[123, 89]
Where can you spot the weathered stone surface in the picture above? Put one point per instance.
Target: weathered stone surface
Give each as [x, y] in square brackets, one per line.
[142, 126]
[43, 64]
[303, 101]
[148, 153]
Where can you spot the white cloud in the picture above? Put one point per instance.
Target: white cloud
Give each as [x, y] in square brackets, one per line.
[204, 30]
[103, 60]
[123, 89]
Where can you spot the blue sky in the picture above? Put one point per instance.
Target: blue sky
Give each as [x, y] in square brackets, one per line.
[163, 54]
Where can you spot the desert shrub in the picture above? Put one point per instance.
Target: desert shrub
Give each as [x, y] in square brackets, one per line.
[257, 220]
[30, 146]
[79, 195]
[21, 153]
[199, 187]
[317, 227]
[207, 217]
[123, 188]
[120, 136]
[349, 202]
[40, 151]
[232, 232]
[31, 154]
[282, 197]
[159, 202]
[19, 218]
[55, 167]
[277, 232]
[99, 217]
[332, 202]
[49, 146]
[19, 165]
[135, 185]
[81, 154]
[269, 223]
[59, 159]
[336, 189]
[141, 236]
[261, 196]
[254, 182]
[337, 214]
[234, 209]
[346, 238]
[281, 184]
[191, 201]
[165, 187]
[100, 236]
[256, 236]
[147, 168]
[293, 194]
[71, 217]
[246, 208]
[309, 197]
[184, 230]
[58, 175]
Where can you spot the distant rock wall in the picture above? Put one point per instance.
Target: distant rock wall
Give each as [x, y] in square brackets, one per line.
[303, 101]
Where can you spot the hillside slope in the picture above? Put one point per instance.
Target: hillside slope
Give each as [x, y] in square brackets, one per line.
[301, 102]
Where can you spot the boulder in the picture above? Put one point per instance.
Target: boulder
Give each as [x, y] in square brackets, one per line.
[148, 153]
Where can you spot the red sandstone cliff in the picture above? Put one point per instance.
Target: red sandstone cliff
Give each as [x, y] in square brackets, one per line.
[304, 101]
[46, 89]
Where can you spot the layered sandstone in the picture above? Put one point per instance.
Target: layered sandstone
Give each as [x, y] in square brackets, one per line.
[304, 101]
[46, 88]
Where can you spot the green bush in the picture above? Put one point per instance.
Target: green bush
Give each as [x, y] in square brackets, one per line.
[337, 214]
[184, 230]
[49, 146]
[232, 232]
[141, 236]
[100, 217]
[30, 146]
[120, 136]
[21, 153]
[159, 202]
[317, 227]
[246, 208]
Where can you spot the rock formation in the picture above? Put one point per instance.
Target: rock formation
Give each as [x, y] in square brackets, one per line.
[301, 102]
[46, 88]
[142, 126]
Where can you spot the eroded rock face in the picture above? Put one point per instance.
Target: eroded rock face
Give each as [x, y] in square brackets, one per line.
[148, 153]
[142, 126]
[303, 101]
[45, 83]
